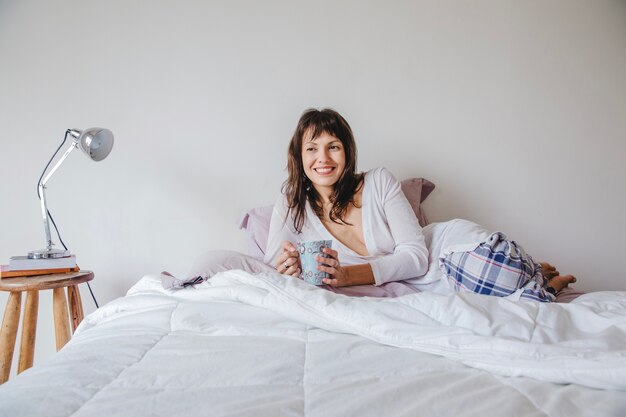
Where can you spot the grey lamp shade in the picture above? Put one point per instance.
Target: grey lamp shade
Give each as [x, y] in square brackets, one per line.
[96, 142]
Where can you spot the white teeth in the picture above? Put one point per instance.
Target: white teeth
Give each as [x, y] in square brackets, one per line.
[324, 170]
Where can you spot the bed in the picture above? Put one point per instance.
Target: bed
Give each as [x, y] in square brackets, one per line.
[249, 341]
[261, 345]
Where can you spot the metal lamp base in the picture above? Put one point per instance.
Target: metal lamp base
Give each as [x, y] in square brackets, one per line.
[48, 254]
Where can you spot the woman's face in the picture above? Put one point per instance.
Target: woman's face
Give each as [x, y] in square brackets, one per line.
[324, 160]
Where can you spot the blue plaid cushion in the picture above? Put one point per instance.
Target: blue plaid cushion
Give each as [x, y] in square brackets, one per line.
[496, 267]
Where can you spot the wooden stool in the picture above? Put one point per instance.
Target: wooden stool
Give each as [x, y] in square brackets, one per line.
[10, 322]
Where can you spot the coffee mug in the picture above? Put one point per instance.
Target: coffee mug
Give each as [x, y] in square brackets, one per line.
[309, 251]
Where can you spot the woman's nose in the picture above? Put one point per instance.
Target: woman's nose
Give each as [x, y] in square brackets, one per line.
[323, 155]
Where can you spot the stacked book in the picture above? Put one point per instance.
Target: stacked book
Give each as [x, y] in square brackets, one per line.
[23, 266]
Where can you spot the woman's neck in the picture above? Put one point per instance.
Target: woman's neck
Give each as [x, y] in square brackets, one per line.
[325, 193]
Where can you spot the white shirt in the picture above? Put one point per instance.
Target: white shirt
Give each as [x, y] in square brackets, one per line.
[393, 237]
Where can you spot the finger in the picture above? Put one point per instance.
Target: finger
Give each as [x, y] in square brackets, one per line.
[289, 258]
[332, 253]
[284, 262]
[280, 268]
[327, 261]
[329, 269]
[291, 270]
[291, 264]
[288, 247]
[293, 259]
[280, 262]
[330, 281]
[297, 273]
[282, 257]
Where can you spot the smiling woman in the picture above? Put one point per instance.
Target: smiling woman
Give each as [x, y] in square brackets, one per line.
[366, 215]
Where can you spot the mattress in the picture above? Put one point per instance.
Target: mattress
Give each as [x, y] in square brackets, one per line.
[268, 345]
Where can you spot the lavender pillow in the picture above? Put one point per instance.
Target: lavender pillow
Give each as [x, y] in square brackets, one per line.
[257, 221]
[215, 261]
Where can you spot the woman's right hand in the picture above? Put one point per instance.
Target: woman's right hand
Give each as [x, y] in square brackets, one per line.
[288, 262]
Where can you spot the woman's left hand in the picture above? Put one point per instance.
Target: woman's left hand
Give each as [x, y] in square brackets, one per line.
[338, 274]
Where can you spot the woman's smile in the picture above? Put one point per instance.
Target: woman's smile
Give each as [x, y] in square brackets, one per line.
[324, 170]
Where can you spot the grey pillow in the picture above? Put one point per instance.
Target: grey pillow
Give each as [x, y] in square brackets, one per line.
[416, 190]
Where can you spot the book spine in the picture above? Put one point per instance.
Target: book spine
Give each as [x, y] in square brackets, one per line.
[34, 264]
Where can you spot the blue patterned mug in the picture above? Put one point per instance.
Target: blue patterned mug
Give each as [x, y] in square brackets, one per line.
[308, 252]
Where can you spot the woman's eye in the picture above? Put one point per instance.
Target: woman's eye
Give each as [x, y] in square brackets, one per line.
[334, 147]
[311, 149]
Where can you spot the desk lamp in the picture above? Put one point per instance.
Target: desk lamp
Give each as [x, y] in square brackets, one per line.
[96, 143]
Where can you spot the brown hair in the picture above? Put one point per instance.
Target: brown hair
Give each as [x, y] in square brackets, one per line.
[297, 188]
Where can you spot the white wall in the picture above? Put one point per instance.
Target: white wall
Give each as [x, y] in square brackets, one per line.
[516, 110]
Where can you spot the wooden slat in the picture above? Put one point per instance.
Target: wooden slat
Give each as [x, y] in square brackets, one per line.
[61, 323]
[8, 334]
[76, 306]
[29, 331]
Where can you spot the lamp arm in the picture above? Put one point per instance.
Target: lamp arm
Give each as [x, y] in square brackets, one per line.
[73, 146]
[42, 193]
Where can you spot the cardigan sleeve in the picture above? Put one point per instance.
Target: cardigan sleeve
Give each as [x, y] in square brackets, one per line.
[280, 230]
[410, 254]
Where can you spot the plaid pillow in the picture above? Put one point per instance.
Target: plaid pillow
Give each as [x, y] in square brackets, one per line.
[497, 267]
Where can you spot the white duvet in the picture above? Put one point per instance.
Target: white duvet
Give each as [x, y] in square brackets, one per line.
[583, 342]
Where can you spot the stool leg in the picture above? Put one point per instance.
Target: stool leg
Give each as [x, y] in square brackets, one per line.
[61, 324]
[76, 306]
[10, 321]
[29, 330]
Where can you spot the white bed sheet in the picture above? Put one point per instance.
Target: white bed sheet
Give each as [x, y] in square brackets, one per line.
[192, 352]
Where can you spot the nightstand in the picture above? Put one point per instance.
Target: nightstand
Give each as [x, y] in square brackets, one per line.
[32, 286]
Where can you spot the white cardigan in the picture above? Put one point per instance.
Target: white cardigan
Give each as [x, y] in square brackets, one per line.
[393, 237]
